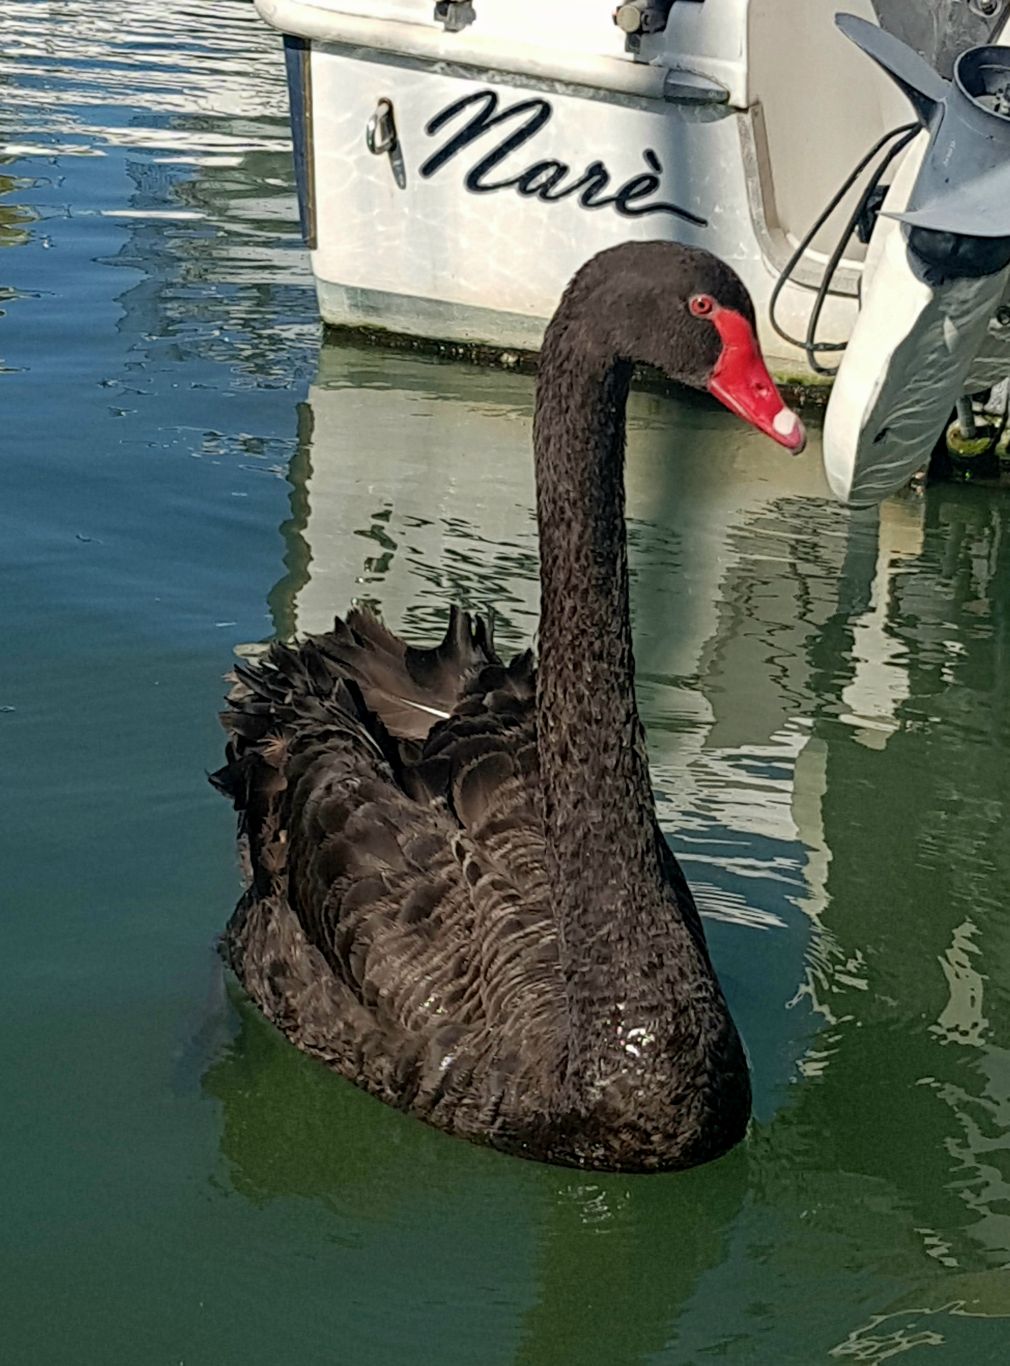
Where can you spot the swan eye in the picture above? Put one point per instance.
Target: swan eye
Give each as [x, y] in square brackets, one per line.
[701, 305]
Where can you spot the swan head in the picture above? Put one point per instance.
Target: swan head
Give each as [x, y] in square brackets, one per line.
[688, 314]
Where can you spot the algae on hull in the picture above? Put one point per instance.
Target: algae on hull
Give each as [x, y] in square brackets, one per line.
[808, 394]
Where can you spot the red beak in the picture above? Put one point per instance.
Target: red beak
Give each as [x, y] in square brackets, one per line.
[741, 381]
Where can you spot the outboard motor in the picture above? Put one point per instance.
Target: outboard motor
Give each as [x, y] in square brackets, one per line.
[936, 273]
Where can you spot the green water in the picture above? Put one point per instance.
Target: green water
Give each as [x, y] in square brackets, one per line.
[183, 472]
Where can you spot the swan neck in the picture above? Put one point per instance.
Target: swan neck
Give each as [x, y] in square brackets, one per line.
[589, 733]
[599, 811]
[648, 1028]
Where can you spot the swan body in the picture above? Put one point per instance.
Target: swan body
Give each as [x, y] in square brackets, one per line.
[459, 895]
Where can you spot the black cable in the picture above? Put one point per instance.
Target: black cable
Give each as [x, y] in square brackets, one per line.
[790, 265]
[809, 344]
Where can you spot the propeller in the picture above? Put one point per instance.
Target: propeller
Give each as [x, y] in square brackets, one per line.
[958, 211]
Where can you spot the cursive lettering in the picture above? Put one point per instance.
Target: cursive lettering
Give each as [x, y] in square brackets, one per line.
[544, 180]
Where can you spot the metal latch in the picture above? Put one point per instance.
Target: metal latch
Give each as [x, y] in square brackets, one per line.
[381, 139]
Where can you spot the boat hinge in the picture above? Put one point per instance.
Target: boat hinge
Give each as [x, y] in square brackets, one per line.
[637, 19]
[455, 14]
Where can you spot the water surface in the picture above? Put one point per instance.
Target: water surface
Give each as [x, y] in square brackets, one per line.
[185, 472]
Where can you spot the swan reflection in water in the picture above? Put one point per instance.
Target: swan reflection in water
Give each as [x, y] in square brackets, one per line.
[826, 702]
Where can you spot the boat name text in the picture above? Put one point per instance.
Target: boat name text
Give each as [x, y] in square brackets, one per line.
[543, 179]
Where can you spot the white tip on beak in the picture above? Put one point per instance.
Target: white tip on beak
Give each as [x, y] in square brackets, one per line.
[789, 430]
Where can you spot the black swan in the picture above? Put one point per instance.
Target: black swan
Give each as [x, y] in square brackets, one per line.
[459, 895]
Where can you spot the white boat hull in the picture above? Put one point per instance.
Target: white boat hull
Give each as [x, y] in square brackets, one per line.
[452, 182]
[508, 176]
[451, 256]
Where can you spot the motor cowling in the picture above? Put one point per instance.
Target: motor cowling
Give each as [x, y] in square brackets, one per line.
[931, 286]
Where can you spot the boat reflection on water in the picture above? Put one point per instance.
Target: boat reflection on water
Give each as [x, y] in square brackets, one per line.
[826, 696]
